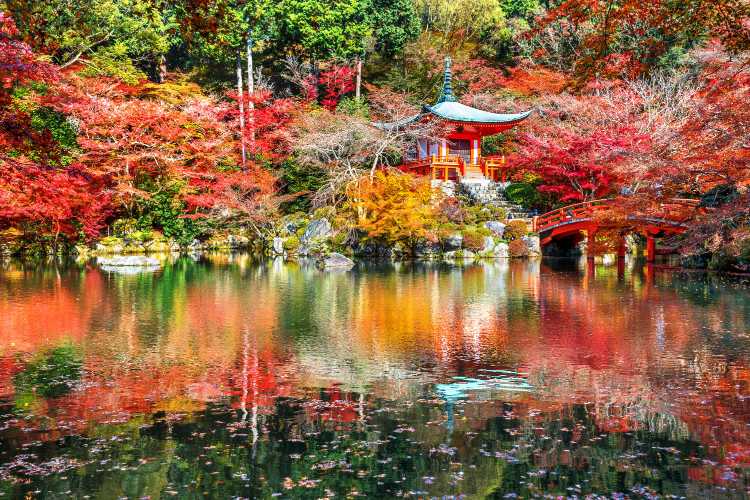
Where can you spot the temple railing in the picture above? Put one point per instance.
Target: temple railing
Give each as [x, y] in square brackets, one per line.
[494, 168]
[437, 167]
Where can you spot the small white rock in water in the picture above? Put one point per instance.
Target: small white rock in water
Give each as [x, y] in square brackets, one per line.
[129, 263]
[337, 261]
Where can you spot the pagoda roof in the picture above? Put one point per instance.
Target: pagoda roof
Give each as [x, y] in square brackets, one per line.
[448, 108]
[457, 112]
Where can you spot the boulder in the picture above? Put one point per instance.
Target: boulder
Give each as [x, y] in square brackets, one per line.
[497, 227]
[454, 241]
[195, 246]
[278, 246]
[533, 244]
[110, 245]
[317, 229]
[128, 263]
[489, 244]
[237, 241]
[426, 250]
[459, 254]
[336, 261]
[501, 251]
[290, 227]
[160, 246]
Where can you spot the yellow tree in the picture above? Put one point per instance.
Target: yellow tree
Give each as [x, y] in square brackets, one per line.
[392, 207]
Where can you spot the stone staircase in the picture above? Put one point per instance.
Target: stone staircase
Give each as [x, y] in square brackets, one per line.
[482, 191]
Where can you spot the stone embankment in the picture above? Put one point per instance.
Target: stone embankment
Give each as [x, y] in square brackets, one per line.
[317, 238]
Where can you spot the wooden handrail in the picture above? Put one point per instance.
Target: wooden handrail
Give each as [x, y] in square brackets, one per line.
[491, 165]
[587, 209]
[446, 164]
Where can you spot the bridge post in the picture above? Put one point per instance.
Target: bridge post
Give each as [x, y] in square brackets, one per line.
[650, 248]
[621, 248]
[590, 242]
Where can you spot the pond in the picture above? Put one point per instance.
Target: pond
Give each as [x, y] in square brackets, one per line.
[225, 377]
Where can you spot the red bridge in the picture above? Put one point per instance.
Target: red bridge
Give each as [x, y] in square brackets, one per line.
[571, 222]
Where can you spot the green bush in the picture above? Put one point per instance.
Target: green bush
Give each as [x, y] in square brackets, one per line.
[354, 107]
[479, 214]
[299, 179]
[291, 244]
[527, 195]
[515, 230]
[326, 212]
[114, 61]
[719, 195]
[165, 210]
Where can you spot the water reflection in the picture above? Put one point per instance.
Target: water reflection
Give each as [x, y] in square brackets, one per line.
[242, 378]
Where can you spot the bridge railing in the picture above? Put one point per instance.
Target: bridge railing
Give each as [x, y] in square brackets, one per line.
[568, 213]
[673, 210]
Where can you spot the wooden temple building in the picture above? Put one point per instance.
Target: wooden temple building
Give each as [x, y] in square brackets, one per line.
[457, 154]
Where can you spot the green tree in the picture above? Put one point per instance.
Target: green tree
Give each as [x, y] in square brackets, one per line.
[320, 29]
[460, 20]
[394, 24]
[214, 31]
[116, 37]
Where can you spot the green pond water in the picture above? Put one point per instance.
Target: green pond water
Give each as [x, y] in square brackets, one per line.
[226, 377]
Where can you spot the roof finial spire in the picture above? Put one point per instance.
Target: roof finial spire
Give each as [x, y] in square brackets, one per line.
[447, 94]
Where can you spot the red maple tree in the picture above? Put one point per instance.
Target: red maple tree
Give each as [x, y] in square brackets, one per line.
[337, 81]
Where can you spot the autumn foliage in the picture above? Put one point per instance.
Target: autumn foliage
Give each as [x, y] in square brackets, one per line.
[392, 206]
[130, 142]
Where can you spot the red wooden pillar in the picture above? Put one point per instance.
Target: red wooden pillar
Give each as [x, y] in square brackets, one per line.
[621, 248]
[590, 242]
[648, 274]
[590, 268]
[650, 248]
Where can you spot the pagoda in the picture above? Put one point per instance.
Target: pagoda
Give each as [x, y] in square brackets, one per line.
[456, 153]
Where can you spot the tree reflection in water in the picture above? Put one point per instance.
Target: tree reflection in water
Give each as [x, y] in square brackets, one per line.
[242, 378]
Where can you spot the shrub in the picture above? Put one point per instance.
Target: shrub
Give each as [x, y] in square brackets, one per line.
[354, 107]
[164, 209]
[473, 239]
[291, 244]
[515, 229]
[327, 212]
[451, 209]
[479, 214]
[296, 179]
[518, 248]
[527, 195]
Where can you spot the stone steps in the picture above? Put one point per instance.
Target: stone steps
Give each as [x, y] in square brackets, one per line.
[483, 191]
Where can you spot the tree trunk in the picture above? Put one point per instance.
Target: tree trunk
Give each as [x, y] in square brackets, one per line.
[359, 78]
[241, 100]
[250, 88]
[162, 70]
